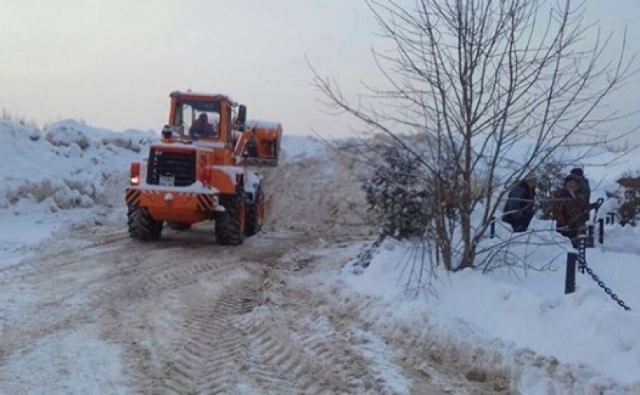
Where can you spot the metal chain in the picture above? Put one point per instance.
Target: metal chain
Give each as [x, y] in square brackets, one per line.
[583, 265]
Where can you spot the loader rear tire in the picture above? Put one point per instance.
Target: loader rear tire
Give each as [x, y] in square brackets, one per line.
[230, 224]
[142, 226]
[255, 215]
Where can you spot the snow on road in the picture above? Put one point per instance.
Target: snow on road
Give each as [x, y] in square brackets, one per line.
[184, 316]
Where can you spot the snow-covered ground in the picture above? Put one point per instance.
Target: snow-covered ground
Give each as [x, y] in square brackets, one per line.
[517, 322]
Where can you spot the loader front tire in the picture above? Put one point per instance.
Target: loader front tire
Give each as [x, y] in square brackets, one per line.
[230, 224]
[142, 226]
[255, 214]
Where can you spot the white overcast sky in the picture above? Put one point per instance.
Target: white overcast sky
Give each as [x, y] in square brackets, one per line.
[112, 63]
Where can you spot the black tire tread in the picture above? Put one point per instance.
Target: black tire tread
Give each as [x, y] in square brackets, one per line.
[228, 229]
[142, 226]
[253, 222]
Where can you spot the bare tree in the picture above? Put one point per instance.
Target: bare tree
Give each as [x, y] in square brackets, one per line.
[492, 88]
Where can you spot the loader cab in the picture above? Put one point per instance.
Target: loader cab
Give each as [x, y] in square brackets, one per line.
[203, 116]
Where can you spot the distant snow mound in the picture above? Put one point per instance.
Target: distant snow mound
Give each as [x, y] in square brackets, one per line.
[15, 131]
[66, 133]
[64, 136]
[298, 148]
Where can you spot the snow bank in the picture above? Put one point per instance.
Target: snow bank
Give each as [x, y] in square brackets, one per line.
[315, 188]
[75, 166]
[72, 174]
[72, 166]
[523, 324]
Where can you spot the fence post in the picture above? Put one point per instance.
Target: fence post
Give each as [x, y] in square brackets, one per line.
[601, 230]
[492, 228]
[590, 240]
[570, 278]
[611, 218]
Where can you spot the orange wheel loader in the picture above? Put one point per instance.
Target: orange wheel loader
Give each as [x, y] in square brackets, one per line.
[200, 170]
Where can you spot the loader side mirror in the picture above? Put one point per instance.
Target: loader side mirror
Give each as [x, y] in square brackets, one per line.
[242, 117]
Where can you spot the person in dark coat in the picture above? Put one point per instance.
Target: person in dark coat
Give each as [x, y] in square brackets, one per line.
[569, 210]
[519, 208]
[583, 190]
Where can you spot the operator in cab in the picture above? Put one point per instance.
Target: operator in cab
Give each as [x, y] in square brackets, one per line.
[202, 128]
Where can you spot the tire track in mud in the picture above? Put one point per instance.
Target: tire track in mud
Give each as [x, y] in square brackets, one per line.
[225, 342]
[224, 336]
[44, 298]
[152, 277]
[271, 345]
[233, 339]
[69, 288]
[278, 335]
[298, 339]
[326, 327]
[54, 250]
[210, 354]
[207, 353]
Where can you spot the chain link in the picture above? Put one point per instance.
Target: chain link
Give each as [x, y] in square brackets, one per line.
[583, 266]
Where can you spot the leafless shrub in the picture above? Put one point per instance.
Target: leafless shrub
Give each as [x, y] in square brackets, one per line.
[550, 179]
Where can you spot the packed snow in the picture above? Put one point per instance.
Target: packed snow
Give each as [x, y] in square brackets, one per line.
[551, 343]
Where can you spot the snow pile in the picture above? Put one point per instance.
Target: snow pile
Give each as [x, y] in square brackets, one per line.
[522, 325]
[73, 166]
[72, 175]
[315, 189]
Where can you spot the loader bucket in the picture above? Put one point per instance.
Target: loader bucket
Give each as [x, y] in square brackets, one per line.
[260, 144]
